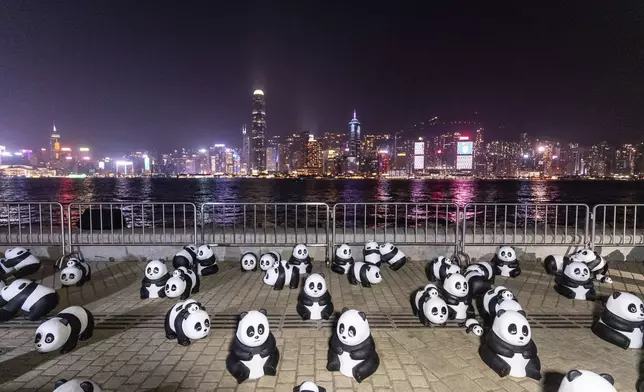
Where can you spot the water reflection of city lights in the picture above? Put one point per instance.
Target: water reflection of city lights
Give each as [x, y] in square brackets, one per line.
[383, 190]
[462, 191]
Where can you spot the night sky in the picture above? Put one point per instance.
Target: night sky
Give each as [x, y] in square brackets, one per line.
[131, 75]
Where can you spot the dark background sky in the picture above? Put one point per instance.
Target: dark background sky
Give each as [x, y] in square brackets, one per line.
[126, 75]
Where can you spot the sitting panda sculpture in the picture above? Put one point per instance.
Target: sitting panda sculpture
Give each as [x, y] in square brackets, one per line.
[186, 257]
[76, 385]
[496, 299]
[371, 253]
[314, 301]
[342, 260]
[253, 352]
[309, 386]
[508, 349]
[76, 273]
[64, 330]
[182, 283]
[206, 261]
[457, 295]
[267, 261]
[32, 298]
[364, 273]
[622, 321]
[248, 262]
[433, 311]
[393, 256]
[185, 321]
[575, 282]
[437, 270]
[18, 262]
[506, 263]
[352, 350]
[300, 259]
[281, 274]
[585, 381]
[480, 278]
[153, 283]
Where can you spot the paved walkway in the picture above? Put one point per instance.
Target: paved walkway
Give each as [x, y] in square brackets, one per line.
[129, 351]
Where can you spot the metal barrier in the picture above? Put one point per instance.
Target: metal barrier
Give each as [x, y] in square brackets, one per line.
[32, 223]
[525, 224]
[131, 223]
[618, 225]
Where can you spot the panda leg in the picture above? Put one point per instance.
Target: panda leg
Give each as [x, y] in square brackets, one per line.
[303, 311]
[43, 306]
[497, 270]
[429, 273]
[144, 293]
[69, 345]
[515, 272]
[366, 283]
[327, 311]
[337, 269]
[184, 341]
[169, 333]
[6, 315]
[197, 285]
[89, 331]
[351, 276]
[608, 334]
[295, 279]
[565, 291]
[214, 269]
[270, 367]
[470, 312]
[161, 292]
[398, 265]
[27, 270]
[533, 369]
[366, 368]
[333, 361]
[237, 369]
[494, 362]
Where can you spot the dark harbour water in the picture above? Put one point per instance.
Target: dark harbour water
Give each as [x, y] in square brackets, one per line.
[199, 190]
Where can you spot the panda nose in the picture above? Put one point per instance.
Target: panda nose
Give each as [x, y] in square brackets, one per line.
[520, 337]
[39, 345]
[257, 337]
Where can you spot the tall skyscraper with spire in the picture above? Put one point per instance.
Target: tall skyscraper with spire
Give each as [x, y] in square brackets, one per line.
[245, 152]
[54, 144]
[353, 159]
[258, 135]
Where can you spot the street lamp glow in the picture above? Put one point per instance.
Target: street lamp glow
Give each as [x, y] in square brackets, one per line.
[526, 156]
[203, 150]
[258, 92]
[541, 149]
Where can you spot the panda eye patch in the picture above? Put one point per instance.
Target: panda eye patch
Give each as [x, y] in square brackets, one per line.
[632, 308]
[341, 328]
[509, 254]
[198, 326]
[63, 276]
[465, 285]
[260, 329]
[503, 254]
[444, 310]
[377, 274]
[38, 337]
[434, 310]
[149, 270]
[156, 270]
[319, 285]
[250, 331]
[167, 287]
[174, 287]
[458, 285]
[49, 338]
[311, 285]
[352, 331]
[512, 328]
[524, 330]
[206, 323]
[71, 276]
[642, 307]
[577, 271]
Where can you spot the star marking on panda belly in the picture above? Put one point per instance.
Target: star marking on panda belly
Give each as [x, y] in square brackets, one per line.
[256, 366]
[580, 292]
[505, 271]
[347, 364]
[316, 311]
[461, 310]
[517, 364]
[154, 290]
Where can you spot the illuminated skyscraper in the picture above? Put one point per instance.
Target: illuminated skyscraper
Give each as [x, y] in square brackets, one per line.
[354, 136]
[245, 152]
[54, 145]
[258, 135]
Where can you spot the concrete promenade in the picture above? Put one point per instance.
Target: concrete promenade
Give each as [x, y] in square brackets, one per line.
[129, 351]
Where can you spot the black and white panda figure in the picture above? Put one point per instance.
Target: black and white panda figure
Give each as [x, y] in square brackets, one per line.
[267, 261]
[508, 349]
[281, 274]
[622, 321]
[276, 255]
[253, 353]
[555, 263]
[595, 262]
[62, 261]
[585, 381]
[309, 386]
[32, 298]
[371, 253]
[314, 301]
[352, 350]
[153, 283]
[437, 270]
[393, 256]
[187, 321]
[575, 282]
[433, 311]
[364, 273]
[182, 283]
[248, 262]
[506, 263]
[206, 261]
[480, 278]
[186, 257]
[76, 385]
[495, 300]
[473, 326]
[421, 295]
[19, 262]
[64, 330]
[342, 260]
[300, 259]
[76, 273]
[457, 295]
[2, 284]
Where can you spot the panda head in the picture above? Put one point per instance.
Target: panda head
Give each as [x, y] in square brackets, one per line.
[353, 327]
[76, 385]
[625, 305]
[373, 274]
[248, 261]
[300, 252]
[71, 275]
[583, 380]
[584, 255]
[176, 285]
[155, 269]
[343, 252]
[266, 261]
[512, 327]
[196, 322]
[253, 329]
[456, 285]
[271, 275]
[192, 247]
[52, 335]
[276, 255]
[205, 252]
[577, 271]
[309, 386]
[370, 245]
[505, 294]
[508, 304]
[386, 248]
[506, 254]
[431, 290]
[315, 285]
[452, 269]
[14, 288]
[435, 310]
[12, 253]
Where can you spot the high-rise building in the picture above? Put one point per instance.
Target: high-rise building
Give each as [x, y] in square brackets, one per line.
[314, 156]
[245, 152]
[353, 157]
[258, 136]
[271, 159]
[54, 145]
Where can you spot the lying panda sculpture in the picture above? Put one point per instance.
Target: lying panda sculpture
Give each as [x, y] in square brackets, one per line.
[32, 298]
[186, 257]
[585, 381]
[65, 330]
[76, 385]
[371, 253]
[433, 311]
[267, 261]
[248, 262]
[437, 270]
[418, 297]
[596, 263]
[342, 260]
[18, 262]
[182, 283]
[365, 274]
[472, 326]
[393, 256]
[480, 278]
[187, 320]
[622, 321]
[282, 274]
[496, 299]
[62, 261]
[76, 273]
[206, 261]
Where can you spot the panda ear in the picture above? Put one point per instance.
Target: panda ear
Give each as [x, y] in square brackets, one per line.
[344, 309]
[522, 313]
[87, 386]
[242, 315]
[63, 321]
[263, 311]
[60, 382]
[321, 389]
[608, 378]
[573, 374]
[448, 275]
[500, 312]
[616, 294]
[363, 315]
[322, 275]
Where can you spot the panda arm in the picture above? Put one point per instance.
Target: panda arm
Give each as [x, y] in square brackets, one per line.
[236, 368]
[144, 292]
[241, 352]
[269, 346]
[366, 351]
[327, 311]
[495, 363]
[565, 291]
[530, 350]
[325, 299]
[610, 335]
[336, 345]
[367, 367]
[533, 368]
[305, 299]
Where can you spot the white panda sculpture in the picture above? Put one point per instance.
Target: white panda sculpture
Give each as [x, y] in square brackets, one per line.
[342, 260]
[418, 297]
[506, 263]
[182, 283]
[282, 274]
[457, 295]
[62, 261]
[622, 321]
[206, 261]
[186, 257]
[253, 353]
[248, 262]
[300, 259]
[596, 263]
[64, 330]
[19, 262]
[437, 270]
[393, 256]
[76, 273]
[267, 261]
[364, 273]
[314, 301]
[34, 299]
[309, 386]
[76, 385]
[473, 326]
[585, 381]
[153, 283]
[371, 253]
[480, 278]
[352, 350]
[496, 299]
[185, 321]
[508, 349]
[575, 282]
[276, 255]
[434, 311]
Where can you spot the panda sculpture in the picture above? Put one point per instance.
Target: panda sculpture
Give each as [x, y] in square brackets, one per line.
[437, 270]
[393, 256]
[309, 386]
[508, 349]
[248, 262]
[276, 255]
[352, 350]
[480, 278]
[253, 353]
[62, 261]
[506, 263]
[2, 284]
[622, 321]
[314, 301]
[76, 273]
[575, 282]
[185, 321]
[281, 274]
[19, 262]
[206, 261]
[371, 253]
[76, 385]
[457, 295]
[300, 259]
[34, 299]
[585, 381]
[64, 330]
[418, 297]
[597, 264]
[186, 257]
[496, 299]
[182, 283]
[364, 273]
[433, 311]
[153, 283]
[267, 261]
[342, 260]
[473, 326]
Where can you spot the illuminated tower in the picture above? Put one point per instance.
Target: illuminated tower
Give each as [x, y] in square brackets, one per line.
[354, 136]
[245, 152]
[258, 134]
[54, 145]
